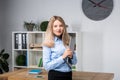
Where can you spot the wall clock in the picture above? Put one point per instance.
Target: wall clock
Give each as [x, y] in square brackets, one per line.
[97, 9]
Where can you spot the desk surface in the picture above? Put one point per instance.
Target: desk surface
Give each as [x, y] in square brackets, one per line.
[77, 75]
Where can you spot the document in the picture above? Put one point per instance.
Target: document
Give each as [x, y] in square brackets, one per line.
[72, 47]
[72, 41]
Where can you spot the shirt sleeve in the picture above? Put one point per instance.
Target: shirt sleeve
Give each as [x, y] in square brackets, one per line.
[48, 63]
[74, 58]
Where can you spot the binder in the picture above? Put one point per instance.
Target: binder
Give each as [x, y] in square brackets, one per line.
[24, 43]
[16, 41]
[19, 41]
[72, 47]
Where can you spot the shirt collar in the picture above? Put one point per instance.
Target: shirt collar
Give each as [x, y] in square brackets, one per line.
[56, 38]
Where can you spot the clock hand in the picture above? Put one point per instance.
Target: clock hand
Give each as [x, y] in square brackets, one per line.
[102, 6]
[101, 2]
[93, 2]
[98, 4]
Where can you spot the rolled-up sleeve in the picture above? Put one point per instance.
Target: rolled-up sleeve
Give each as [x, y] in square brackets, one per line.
[74, 59]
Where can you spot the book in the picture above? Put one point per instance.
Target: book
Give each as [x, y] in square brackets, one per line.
[35, 71]
[40, 62]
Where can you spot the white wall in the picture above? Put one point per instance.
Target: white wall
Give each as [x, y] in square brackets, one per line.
[100, 39]
[92, 51]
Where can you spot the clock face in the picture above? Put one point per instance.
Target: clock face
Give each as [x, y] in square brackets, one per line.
[97, 9]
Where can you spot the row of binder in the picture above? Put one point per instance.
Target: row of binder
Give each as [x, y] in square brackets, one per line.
[20, 41]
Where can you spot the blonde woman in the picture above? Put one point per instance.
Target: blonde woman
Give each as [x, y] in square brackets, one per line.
[56, 51]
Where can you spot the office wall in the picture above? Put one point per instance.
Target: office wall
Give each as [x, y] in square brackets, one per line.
[100, 39]
[2, 20]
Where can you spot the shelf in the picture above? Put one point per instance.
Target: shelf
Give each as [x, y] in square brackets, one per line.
[29, 43]
[21, 44]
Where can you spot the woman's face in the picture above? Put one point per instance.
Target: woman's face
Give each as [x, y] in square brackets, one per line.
[58, 28]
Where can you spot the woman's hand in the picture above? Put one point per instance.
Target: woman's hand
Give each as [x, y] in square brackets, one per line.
[67, 53]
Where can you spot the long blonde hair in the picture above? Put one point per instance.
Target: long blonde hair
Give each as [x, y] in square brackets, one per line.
[49, 36]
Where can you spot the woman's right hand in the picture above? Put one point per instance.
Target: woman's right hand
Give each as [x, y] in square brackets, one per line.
[67, 53]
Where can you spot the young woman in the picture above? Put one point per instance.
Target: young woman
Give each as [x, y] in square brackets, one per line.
[56, 50]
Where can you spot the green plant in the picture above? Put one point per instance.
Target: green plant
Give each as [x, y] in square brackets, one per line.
[4, 66]
[29, 25]
[21, 60]
[43, 25]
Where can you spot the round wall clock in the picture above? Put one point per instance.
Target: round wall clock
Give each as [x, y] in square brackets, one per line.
[97, 9]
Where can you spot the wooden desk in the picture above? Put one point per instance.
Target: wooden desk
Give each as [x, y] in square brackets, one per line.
[23, 75]
[6, 75]
[77, 75]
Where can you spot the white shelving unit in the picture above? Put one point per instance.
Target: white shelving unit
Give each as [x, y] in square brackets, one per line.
[32, 51]
[25, 46]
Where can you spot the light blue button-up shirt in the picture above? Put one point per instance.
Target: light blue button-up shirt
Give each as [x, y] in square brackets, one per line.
[52, 57]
